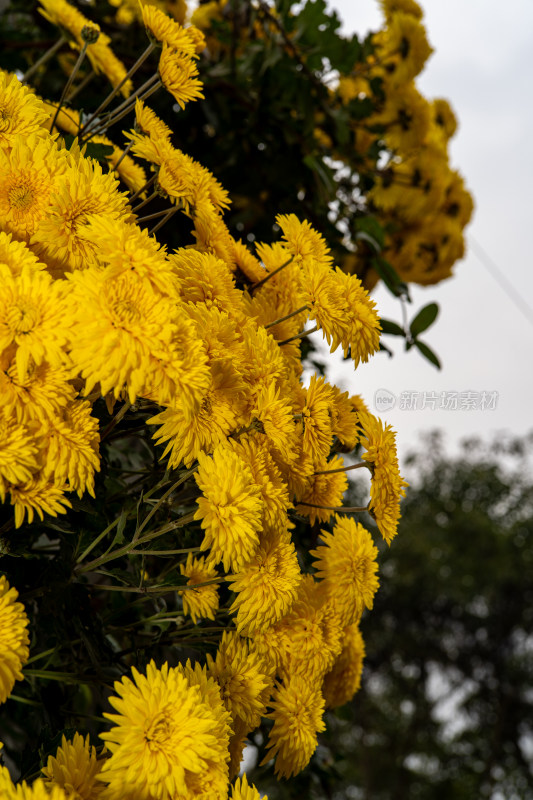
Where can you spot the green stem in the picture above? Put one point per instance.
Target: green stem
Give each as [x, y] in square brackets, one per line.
[124, 154]
[339, 509]
[97, 541]
[124, 108]
[164, 552]
[146, 200]
[69, 82]
[343, 469]
[143, 188]
[161, 500]
[282, 319]
[160, 224]
[271, 275]
[116, 419]
[65, 677]
[300, 335]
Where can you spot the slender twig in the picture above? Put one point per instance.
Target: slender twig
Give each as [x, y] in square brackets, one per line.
[102, 124]
[124, 154]
[44, 58]
[343, 469]
[339, 509]
[143, 188]
[146, 200]
[97, 540]
[82, 85]
[271, 275]
[116, 419]
[68, 84]
[300, 335]
[160, 224]
[288, 316]
[153, 216]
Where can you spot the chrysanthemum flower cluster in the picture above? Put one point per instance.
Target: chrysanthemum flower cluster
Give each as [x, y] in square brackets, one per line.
[175, 383]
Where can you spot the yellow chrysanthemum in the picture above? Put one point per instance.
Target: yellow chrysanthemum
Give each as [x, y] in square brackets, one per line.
[302, 241]
[75, 767]
[14, 639]
[402, 47]
[67, 18]
[387, 487]
[16, 255]
[206, 279]
[42, 393]
[347, 565]
[265, 587]
[191, 432]
[71, 444]
[326, 489]
[38, 495]
[344, 678]
[243, 677]
[21, 111]
[18, 452]
[34, 318]
[161, 28]
[391, 7]
[178, 75]
[276, 420]
[297, 710]
[242, 790]
[122, 334]
[201, 602]
[165, 736]
[29, 170]
[38, 790]
[84, 190]
[406, 118]
[230, 507]
[316, 419]
[149, 123]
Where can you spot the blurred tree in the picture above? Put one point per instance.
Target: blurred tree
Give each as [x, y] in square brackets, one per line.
[446, 704]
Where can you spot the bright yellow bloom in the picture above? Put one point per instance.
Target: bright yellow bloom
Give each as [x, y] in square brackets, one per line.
[67, 18]
[403, 48]
[163, 29]
[265, 587]
[165, 736]
[71, 446]
[29, 170]
[302, 241]
[190, 432]
[316, 419]
[75, 767]
[38, 495]
[323, 490]
[178, 75]
[18, 452]
[14, 639]
[39, 790]
[21, 111]
[406, 117]
[387, 487]
[243, 791]
[344, 678]
[297, 710]
[16, 255]
[42, 394]
[34, 318]
[347, 565]
[243, 678]
[205, 279]
[201, 602]
[122, 334]
[276, 420]
[230, 507]
[84, 190]
[149, 123]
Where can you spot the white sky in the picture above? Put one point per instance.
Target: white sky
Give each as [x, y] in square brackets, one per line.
[483, 65]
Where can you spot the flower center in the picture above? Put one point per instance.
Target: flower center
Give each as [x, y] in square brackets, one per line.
[159, 731]
[22, 319]
[20, 197]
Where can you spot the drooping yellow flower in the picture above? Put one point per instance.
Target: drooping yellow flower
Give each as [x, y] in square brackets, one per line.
[29, 170]
[347, 565]
[14, 639]
[201, 602]
[38, 495]
[18, 452]
[149, 123]
[266, 586]
[165, 736]
[34, 318]
[178, 74]
[297, 710]
[243, 677]
[344, 678]
[242, 790]
[191, 432]
[387, 487]
[230, 507]
[21, 111]
[75, 767]
[70, 441]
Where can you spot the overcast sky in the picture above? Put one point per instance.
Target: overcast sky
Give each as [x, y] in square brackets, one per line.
[483, 65]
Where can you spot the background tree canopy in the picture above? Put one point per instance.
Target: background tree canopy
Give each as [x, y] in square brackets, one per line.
[446, 704]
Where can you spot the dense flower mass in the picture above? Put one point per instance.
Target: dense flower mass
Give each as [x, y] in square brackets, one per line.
[166, 448]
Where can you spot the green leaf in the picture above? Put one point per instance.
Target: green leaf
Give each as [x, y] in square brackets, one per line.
[428, 353]
[392, 328]
[425, 317]
[370, 229]
[99, 151]
[390, 277]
